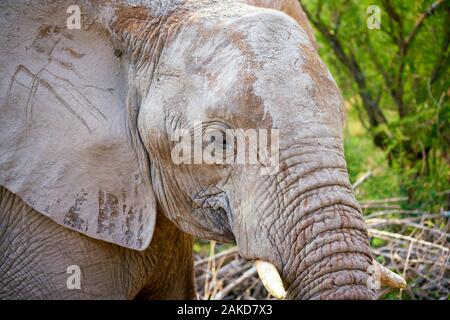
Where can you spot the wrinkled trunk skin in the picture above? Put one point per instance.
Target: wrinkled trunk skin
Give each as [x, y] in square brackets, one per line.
[310, 226]
[330, 256]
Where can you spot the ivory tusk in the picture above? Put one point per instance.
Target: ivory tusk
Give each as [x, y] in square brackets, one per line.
[271, 279]
[389, 278]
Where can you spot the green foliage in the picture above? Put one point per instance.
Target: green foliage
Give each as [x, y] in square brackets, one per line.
[363, 156]
[430, 173]
[376, 242]
[207, 247]
[396, 80]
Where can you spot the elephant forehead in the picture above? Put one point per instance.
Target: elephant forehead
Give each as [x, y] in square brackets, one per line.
[254, 64]
[298, 93]
[220, 54]
[292, 82]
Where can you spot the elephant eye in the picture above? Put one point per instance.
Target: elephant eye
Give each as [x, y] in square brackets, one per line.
[222, 141]
[218, 133]
[219, 139]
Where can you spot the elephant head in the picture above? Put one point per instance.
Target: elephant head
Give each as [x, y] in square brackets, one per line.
[90, 119]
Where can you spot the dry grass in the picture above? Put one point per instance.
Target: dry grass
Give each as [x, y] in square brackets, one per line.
[414, 244]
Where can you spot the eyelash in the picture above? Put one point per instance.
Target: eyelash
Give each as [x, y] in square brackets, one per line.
[224, 141]
[220, 130]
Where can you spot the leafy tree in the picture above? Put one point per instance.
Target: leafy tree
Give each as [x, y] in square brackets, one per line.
[397, 77]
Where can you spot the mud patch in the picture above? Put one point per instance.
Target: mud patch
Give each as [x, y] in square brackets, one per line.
[73, 53]
[325, 89]
[108, 212]
[72, 217]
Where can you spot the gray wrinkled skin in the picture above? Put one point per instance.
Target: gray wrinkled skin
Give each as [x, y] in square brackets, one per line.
[86, 118]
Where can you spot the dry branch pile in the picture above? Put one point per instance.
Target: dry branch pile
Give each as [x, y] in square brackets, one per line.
[414, 244]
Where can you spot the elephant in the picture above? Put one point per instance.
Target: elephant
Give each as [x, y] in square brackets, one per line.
[89, 112]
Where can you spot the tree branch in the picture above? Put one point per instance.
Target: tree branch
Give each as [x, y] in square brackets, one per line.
[419, 23]
[389, 81]
[403, 51]
[375, 115]
[394, 16]
[443, 62]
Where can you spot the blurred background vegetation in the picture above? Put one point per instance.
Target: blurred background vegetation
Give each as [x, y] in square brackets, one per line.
[395, 83]
[395, 80]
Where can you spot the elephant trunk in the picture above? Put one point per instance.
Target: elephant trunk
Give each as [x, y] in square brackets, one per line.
[310, 227]
[329, 256]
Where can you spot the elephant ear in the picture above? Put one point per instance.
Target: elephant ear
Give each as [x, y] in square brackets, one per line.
[69, 145]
